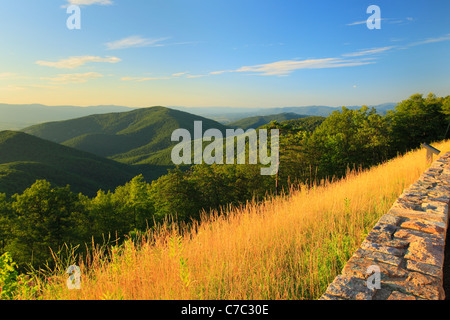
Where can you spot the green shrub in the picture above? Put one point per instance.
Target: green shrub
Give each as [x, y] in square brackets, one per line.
[8, 277]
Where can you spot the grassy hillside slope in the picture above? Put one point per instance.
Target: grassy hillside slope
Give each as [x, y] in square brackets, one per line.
[285, 248]
[25, 158]
[132, 137]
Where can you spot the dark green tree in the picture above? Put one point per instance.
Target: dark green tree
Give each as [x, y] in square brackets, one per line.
[347, 138]
[6, 218]
[44, 218]
[135, 204]
[417, 120]
[174, 197]
[105, 217]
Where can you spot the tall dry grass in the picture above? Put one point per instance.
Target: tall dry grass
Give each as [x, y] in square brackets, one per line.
[288, 247]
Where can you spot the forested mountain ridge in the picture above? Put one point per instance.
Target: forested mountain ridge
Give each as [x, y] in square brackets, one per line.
[131, 137]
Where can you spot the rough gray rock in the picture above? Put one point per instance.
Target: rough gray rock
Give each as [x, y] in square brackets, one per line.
[406, 246]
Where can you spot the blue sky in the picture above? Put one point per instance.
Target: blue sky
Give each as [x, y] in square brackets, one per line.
[204, 53]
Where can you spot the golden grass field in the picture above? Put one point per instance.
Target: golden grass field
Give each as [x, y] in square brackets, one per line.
[287, 247]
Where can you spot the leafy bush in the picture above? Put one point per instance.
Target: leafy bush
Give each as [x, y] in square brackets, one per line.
[8, 277]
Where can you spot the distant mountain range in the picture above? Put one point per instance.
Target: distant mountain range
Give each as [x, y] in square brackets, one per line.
[16, 117]
[226, 115]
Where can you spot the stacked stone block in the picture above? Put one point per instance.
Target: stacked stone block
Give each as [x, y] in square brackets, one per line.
[406, 246]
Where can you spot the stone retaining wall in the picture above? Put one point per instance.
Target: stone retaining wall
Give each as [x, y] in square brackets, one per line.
[405, 248]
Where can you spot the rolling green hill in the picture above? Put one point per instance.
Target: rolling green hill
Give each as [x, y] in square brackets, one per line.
[141, 136]
[25, 158]
[258, 121]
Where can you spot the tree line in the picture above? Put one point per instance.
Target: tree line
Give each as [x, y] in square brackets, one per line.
[45, 216]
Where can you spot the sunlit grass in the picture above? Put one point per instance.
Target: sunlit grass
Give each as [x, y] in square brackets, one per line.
[288, 247]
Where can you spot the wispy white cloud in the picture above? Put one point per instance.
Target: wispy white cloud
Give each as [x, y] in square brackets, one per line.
[395, 21]
[363, 22]
[278, 68]
[285, 67]
[135, 42]
[73, 77]
[193, 76]
[75, 62]
[141, 79]
[432, 40]
[388, 20]
[88, 2]
[219, 72]
[367, 52]
[359, 58]
[178, 75]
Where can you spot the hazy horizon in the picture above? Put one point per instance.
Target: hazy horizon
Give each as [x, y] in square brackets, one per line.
[195, 107]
